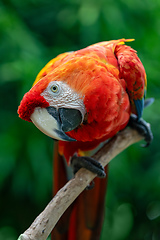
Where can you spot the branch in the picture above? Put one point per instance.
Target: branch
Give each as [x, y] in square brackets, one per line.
[45, 222]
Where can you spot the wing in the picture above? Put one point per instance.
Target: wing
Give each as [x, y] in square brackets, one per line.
[132, 71]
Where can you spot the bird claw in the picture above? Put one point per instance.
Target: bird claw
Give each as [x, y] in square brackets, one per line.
[90, 186]
[88, 163]
[142, 127]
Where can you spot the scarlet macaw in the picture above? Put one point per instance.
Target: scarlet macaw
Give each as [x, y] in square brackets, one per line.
[83, 98]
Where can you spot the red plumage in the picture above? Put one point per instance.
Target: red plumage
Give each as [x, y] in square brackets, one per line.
[107, 78]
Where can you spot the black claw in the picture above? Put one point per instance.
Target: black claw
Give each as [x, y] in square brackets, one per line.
[88, 163]
[90, 186]
[142, 127]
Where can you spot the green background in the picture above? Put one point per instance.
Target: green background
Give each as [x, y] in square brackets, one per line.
[31, 33]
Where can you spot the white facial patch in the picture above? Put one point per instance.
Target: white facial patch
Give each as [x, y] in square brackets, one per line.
[60, 95]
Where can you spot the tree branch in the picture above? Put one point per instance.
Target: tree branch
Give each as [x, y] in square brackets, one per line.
[45, 222]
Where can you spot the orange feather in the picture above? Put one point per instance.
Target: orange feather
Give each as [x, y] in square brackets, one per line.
[111, 80]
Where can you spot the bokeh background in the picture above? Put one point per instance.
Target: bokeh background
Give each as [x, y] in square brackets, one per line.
[31, 33]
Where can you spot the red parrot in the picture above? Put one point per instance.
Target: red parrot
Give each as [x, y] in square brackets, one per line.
[83, 98]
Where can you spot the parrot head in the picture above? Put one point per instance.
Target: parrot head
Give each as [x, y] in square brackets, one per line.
[53, 105]
[55, 109]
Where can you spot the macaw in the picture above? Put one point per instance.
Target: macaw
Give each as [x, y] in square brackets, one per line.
[82, 99]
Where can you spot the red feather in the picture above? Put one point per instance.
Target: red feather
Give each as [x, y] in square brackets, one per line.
[109, 77]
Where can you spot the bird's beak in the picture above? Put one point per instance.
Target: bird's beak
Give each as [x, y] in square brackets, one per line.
[55, 122]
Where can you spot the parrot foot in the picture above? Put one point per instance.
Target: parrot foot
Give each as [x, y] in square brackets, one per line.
[142, 127]
[90, 186]
[88, 163]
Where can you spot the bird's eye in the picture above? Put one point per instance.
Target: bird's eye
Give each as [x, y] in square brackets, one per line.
[55, 88]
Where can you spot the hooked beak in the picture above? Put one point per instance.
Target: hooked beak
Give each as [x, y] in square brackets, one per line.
[55, 122]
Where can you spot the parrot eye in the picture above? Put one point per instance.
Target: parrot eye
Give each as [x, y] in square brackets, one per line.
[55, 88]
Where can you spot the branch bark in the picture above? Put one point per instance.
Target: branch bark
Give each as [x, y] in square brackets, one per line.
[45, 222]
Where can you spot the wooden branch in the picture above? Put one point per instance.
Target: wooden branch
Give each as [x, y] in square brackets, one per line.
[45, 222]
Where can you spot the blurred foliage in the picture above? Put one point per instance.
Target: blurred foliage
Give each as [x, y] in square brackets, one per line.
[31, 33]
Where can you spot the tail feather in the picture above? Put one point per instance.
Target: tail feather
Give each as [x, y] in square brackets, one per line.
[60, 231]
[84, 218]
[94, 202]
[87, 218]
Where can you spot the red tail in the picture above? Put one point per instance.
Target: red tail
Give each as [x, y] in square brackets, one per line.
[84, 218]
